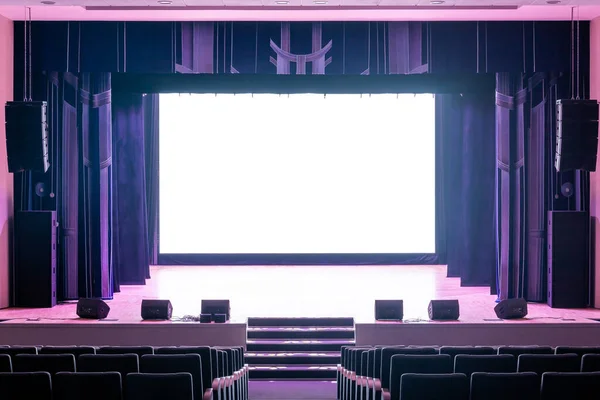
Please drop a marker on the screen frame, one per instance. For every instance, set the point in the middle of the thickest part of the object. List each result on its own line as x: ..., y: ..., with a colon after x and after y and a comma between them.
x: 278, y: 84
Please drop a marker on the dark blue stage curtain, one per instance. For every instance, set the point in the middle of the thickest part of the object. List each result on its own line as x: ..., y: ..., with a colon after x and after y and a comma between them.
x: 495, y: 173
x: 132, y: 241
x: 466, y: 148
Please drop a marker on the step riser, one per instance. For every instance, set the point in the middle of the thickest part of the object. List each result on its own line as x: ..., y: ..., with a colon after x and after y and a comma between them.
x: 289, y: 322
x: 301, y: 335
x: 289, y: 375
x: 291, y: 347
x: 293, y: 360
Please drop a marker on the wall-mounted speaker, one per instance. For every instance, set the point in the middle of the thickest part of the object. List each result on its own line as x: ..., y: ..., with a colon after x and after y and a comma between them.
x: 443, y: 310
x: 214, y: 307
x: 92, y: 309
x: 389, y: 310
x: 27, y: 136
x: 157, y: 309
x: 576, y: 135
x: 511, y: 309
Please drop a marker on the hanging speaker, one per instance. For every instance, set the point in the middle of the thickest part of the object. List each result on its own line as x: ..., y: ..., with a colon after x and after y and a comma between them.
x: 511, y: 309
x: 566, y: 189
x: 92, y: 309
x: 40, y: 189
x: 27, y: 136
x: 576, y: 135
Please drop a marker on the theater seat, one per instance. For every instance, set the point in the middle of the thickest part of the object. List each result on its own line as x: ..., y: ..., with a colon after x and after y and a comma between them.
x: 26, y: 386
x: 5, y: 363
x: 122, y: 363
x: 590, y: 363
x: 174, y: 363
x: 87, y: 385
x: 434, y: 387
x: 52, y: 363
x: 500, y: 363
x: 176, y: 386
x: 573, y: 386
x: 515, y: 386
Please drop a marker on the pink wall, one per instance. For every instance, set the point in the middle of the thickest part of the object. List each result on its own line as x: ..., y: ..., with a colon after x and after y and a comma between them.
x: 6, y: 185
x: 595, y: 177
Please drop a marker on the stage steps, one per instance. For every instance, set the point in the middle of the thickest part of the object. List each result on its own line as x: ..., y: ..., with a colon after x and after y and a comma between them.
x: 296, y: 348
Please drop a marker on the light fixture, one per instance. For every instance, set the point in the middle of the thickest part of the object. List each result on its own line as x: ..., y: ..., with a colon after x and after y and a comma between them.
x: 552, y: 1
x: 320, y: 2
x: 282, y: 2
x: 48, y: 2
x: 437, y: 2
x: 165, y: 2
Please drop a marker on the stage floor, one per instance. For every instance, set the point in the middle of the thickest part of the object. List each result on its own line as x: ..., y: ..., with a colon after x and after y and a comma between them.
x: 302, y: 291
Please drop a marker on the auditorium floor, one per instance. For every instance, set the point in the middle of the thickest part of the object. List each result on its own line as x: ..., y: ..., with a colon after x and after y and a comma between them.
x: 304, y: 291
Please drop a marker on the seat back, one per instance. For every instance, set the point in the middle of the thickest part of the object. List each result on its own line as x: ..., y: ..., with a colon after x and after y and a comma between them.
x: 205, y: 360
x: 518, y: 350
x: 434, y: 387
x: 570, y: 385
x: 13, y: 351
x: 453, y: 351
x: 26, y: 385
x: 513, y: 386
x: 52, y: 363
x: 87, y: 385
x: 540, y: 363
x: 416, y: 364
x: 590, y: 363
x: 139, y: 350
x: 5, y: 363
x: 174, y: 363
x: 75, y: 350
x: 122, y: 363
x: 386, y: 359
x: 500, y: 363
x: 175, y: 386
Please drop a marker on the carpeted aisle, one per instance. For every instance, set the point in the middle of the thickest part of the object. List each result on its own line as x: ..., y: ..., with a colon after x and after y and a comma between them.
x: 292, y: 390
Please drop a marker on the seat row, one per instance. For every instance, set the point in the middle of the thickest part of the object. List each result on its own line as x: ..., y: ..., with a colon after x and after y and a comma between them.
x: 215, y: 372
x: 375, y: 373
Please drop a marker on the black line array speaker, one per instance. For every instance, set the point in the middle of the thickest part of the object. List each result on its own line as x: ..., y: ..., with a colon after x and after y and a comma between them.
x: 35, y: 259
x: 511, y: 309
x: 27, y: 136
x: 576, y: 135
x: 157, y: 309
x: 92, y: 309
x: 443, y: 310
x: 568, y: 259
x: 389, y: 310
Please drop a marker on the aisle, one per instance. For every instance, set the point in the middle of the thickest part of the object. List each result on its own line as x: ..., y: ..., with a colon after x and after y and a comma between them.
x: 291, y: 390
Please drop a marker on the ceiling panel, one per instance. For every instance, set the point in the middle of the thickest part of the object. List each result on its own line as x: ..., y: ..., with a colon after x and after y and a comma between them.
x: 282, y: 3
x: 359, y: 3
x: 204, y: 3
x: 243, y: 3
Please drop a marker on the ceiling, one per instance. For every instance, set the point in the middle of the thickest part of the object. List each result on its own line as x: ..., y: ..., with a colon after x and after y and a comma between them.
x: 299, y: 10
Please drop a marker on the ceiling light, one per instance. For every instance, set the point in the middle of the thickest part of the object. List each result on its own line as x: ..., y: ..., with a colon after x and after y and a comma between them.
x: 437, y: 2
x: 165, y: 2
x: 553, y: 2
x: 320, y: 2
x: 282, y: 2
x: 48, y: 2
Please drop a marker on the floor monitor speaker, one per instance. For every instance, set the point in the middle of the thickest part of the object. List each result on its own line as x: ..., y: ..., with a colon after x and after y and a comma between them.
x: 568, y: 259
x: 389, y: 310
x: 576, y: 135
x: 214, y: 307
x: 157, y: 309
x: 92, y: 309
x: 511, y: 309
x: 27, y: 136
x: 443, y: 310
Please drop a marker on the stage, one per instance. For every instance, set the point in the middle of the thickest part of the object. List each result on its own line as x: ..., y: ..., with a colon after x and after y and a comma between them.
x: 301, y: 291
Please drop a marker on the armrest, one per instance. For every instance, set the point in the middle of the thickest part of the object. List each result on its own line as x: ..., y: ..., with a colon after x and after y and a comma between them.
x: 385, y: 394
x: 377, y: 384
x: 216, y: 384
x: 208, y: 394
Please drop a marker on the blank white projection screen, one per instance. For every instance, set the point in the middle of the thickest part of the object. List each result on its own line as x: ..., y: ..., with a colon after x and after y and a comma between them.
x: 297, y: 174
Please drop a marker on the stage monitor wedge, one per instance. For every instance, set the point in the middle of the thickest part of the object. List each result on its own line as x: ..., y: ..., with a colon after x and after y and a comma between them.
x: 511, y: 309
x: 214, y: 307
x: 389, y: 310
x: 443, y: 310
x: 156, y: 309
x: 92, y: 309
x: 576, y: 135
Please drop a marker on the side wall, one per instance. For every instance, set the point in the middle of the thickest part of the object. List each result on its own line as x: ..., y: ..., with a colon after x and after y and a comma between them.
x: 6, y: 179
x: 595, y: 176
